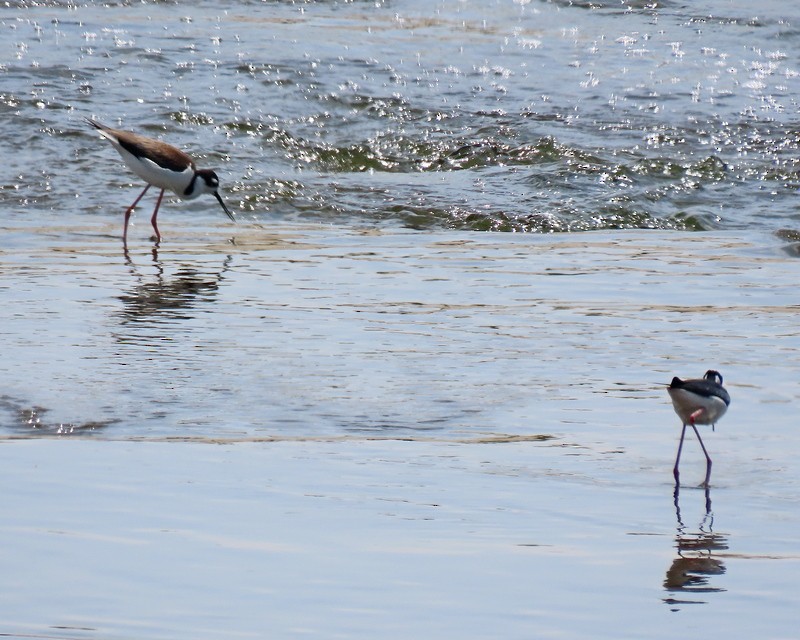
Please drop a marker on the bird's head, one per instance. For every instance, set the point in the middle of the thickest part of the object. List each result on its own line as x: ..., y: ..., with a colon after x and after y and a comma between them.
x: 208, y: 182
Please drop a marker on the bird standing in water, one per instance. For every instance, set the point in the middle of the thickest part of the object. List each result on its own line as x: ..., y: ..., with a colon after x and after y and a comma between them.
x: 699, y: 401
x: 162, y: 165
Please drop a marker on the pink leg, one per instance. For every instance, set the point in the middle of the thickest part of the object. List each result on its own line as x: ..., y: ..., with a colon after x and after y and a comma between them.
x: 678, y: 457
x: 708, y: 460
x: 128, y: 215
x: 155, y: 215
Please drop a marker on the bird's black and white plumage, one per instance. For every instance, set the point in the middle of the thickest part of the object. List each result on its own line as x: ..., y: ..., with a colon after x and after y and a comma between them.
x: 702, y: 401
x: 698, y: 401
x: 162, y: 165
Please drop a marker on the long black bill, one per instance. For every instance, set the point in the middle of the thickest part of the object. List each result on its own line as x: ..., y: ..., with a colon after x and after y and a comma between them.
x: 219, y: 199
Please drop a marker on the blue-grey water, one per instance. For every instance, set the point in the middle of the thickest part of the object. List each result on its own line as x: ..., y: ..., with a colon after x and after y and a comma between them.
x: 528, y: 116
x: 417, y: 389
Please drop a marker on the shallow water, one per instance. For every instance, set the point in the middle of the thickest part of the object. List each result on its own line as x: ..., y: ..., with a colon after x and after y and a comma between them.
x: 351, y: 414
x: 323, y: 331
x: 395, y: 538
x: 329, y: 432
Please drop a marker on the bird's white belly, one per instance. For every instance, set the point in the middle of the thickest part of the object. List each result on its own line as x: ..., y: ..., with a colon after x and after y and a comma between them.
x: 686, y: 403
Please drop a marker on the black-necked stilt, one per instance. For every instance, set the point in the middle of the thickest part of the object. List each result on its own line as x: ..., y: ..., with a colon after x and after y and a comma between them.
x: 702, y: 401
x: 162, y: 165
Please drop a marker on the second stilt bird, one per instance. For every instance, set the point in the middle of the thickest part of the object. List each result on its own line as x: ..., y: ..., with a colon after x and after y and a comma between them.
x: 701, y: 401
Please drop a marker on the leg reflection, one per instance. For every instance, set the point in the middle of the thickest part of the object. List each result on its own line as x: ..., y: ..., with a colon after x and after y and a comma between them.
x: 697, y: 560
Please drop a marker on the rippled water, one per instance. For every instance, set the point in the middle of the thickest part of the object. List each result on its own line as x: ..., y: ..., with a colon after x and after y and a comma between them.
x: 318, y: 331
x: 354, y: 413
x: 534, y: 116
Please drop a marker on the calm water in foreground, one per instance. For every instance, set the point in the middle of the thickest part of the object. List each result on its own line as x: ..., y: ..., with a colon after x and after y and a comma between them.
x: 341, y: 434
x: 355, y: 413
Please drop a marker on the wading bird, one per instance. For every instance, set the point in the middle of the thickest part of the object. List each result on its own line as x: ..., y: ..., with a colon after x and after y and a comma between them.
x: 699, y: 401
x: 161, y: 165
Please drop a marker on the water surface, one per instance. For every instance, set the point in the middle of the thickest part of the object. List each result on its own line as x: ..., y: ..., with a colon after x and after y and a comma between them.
x: 366, y: 410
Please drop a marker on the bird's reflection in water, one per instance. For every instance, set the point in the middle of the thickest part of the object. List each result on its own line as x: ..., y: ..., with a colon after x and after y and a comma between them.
x: 691, y: 573
x: 171, y: 296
